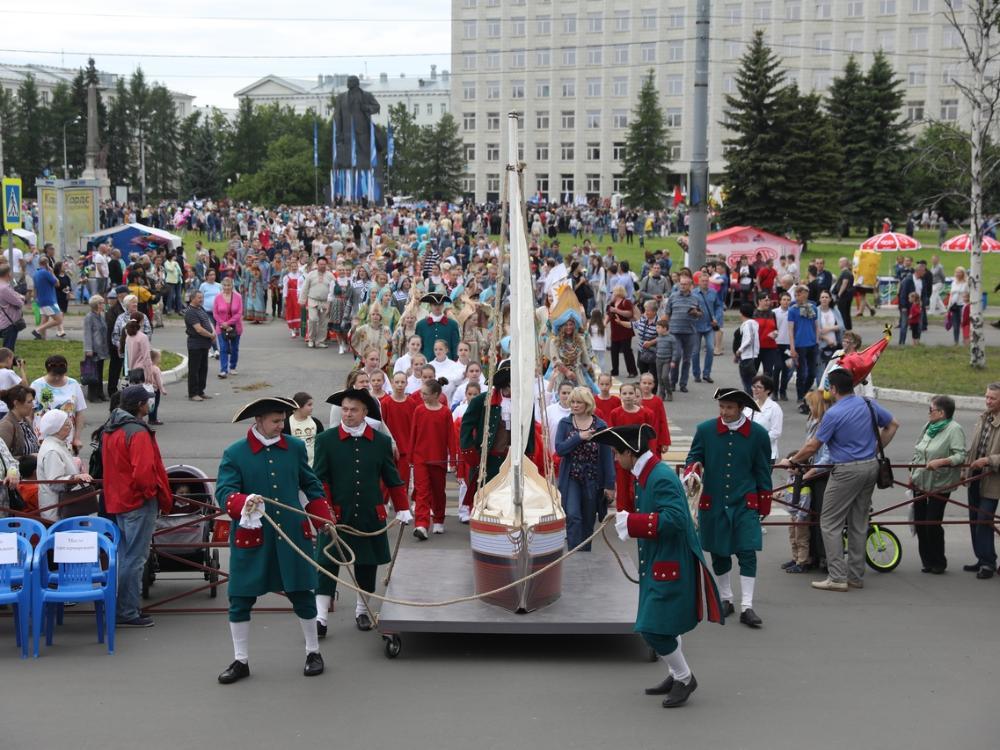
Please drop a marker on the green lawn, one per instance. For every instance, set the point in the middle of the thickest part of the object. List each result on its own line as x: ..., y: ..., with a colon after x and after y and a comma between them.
x: 935, y: 369
x: 34, y: 353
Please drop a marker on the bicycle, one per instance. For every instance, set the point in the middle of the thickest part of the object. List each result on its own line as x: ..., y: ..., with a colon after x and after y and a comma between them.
x: 883, y: 552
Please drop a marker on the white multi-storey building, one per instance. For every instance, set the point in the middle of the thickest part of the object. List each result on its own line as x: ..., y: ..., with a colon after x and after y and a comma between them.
x: 427, y: 98
x: 574, y: 68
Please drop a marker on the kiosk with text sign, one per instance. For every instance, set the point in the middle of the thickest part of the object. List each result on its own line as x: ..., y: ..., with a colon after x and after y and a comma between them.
x: 68, y: 210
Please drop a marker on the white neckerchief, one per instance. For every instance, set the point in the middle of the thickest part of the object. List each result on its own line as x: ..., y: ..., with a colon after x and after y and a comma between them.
x: 641, y: 462
x: 505, y: 410
x: 355, y: 431
x: 737, y: 424
x: 265, y: 441
x: 437, y: 318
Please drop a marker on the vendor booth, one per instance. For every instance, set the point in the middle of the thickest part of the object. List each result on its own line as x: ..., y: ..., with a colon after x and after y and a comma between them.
x: 737, y: 242
x: 131, y: 238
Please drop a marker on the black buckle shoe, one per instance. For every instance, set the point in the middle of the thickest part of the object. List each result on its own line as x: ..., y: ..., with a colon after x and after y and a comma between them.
x: 320, y: 629
x: 749, y: 618
x: 314, y: 664
x: 363, y: 621
x: 728, y: 609
x: 235, y: 671
x: 680, y: 692
x: 663, y: 688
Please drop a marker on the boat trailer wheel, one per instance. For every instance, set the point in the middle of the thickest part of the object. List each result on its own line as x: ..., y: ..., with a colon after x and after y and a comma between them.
x: 393, y: 645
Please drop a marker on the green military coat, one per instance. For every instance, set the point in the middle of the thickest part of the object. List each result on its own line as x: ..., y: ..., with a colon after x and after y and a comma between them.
x: 676, y: 589
x: 260, y: 561
x: 445, y: 329
x: 736, y: 478
x: 471, y: 436
x: 352, y: 469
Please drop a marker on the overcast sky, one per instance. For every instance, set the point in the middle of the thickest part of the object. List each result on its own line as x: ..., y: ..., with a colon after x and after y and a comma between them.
x: 166, y: 39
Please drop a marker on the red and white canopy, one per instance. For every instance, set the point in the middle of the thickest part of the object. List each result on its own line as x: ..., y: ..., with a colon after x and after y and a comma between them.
x: 890, y: 242
x: 962, y: 244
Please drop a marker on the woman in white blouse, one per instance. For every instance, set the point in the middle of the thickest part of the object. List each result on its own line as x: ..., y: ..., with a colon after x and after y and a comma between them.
x: 956, y: 298
x: 770, y: 416
x: 55, y: 461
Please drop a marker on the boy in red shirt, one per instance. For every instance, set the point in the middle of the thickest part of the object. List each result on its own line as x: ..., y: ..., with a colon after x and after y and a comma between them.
x: 913, y: 317
x: 397, y: 413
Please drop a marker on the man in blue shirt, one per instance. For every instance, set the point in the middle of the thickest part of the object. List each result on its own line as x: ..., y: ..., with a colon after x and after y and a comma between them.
x: 705, y: 328
x: 849, y: 435
x: 803, y: 321
x: 45, y: 295
x: 684, y: 312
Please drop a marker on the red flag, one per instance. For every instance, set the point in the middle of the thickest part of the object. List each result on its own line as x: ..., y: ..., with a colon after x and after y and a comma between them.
x: 860, y: 364
x: 678, y: 196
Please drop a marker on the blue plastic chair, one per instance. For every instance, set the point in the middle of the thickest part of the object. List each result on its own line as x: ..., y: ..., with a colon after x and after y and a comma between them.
x: 74, y: 582
x: 104, y: 526
x: 26, y: 528
x: 16, y: 589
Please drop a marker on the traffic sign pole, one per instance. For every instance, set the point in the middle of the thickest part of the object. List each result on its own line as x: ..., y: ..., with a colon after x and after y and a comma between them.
x: 11, y: 214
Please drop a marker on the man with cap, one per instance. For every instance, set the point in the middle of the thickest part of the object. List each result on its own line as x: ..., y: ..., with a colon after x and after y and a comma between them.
x: 731, y: 457
x: 268, y: 464
x: 675, y: 588
x: 115, y: 362
x: 135, y: 489
x: 351, y: 461
x: 498, y: 428
x: 436, y: 326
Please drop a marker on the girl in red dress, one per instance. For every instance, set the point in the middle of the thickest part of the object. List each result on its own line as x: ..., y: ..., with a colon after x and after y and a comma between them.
x: 630, y: 412
x: 397, y: 413
x: 605, y: 402
x: 290, y: 291
x: 432, y: 451
x: 649, y: 399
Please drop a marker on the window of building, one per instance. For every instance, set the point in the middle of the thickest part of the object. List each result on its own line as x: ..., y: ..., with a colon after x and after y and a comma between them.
x: 619, y: 86
x: 792, y: 43
x: 518, y: 3
x: 675, y: 84
x: 468, y: 90
x: 593, y: 185
x: 543, y: 90
x: 920, y: 6
x: 853, y: 41
x: 468, y: 4
x: 793, y: 10
x: 492, y: 183
x: 675, y: 50
x: 647, y: 52
x: 821, y: 80
x: 468, y: 61
x: 618, y: 183
x: 886, y: 40
x: 416, y: 110
x: 492, y: 152
x: 470, y: 151
x: 569, y: 23
x: 469, y: 29
x: 674, y: 150
x: 620, y: 54
x: 493, y: 28
x: 618, y: 151
x: 517, y: 26
x: 567, y: 151
x: 492, y: 3
x: 542, y: 186
x: 823, y: 10
x: 734, y: 15
x: 569, y: 56
x: 469, y: 184
x: 887, y: 7
x: 674, y: 117
x: 619, y: 118
x: 915, y: 111
x: 734, y: 49
x: 543, y: 57
x: 492, y: 120
x: 429, y: 109
x: 949, y: 109
x: 541, y: 152
x: 444, y: 108
x: 543, y: 25
x: 647, y: 18
x: 948, y: 74
x: 729, y: 83
x: 593, y: 152
x: 517, y: 89
x: 623, y: 20
x: 950, y: 38
x: 595, y: 55
x: 593, y: 119
x: 595, y: 23
x: 593, y: 87
x: 916, y: 74
x: 918, y: 37
x: 567, y: 87
x: 822, y: 43
x: 792, y: 79
x: 567, y: 185
x: 492, y: 59
x: 493, y: 89
x: 762, y: 11
x: 568, y: 119
x: 468, y: 121
x: 855, y: 8
x: 542, y: 120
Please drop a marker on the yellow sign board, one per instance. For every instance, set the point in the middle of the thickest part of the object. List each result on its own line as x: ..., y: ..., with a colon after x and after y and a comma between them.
x: 78, y: 217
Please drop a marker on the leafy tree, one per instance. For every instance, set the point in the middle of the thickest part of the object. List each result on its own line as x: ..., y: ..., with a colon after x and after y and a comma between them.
x: 286, y: 176
x: 647, y: 159
x: 161, y: 143
x: 62, y: 113
x: 756, y: 176
x: 406, y: 163
x: 8, y: 126
x: 201, y: 158
x: 119, y: 137
x: 29, y: 151
x: 442, y: 162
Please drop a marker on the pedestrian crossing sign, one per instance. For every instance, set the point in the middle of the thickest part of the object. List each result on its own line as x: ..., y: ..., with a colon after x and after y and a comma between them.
x: 11, y: 203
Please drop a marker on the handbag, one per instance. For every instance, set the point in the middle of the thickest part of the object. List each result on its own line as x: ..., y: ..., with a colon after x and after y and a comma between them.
x: 88, y: 372
x: 79, y: 500
x: 884, y: 479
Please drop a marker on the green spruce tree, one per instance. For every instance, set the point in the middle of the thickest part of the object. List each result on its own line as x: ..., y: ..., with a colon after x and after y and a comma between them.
x: 406, y: 163
x: 119, y: 138
x: 647, y: 158
x: 161, y: 143
x: 29, y: 145
x: 849, y: 120
x: 442, y: 162
x: 887, y: 142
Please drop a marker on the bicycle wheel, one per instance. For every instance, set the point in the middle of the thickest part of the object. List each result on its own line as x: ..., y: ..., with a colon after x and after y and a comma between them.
x: 882, y: 549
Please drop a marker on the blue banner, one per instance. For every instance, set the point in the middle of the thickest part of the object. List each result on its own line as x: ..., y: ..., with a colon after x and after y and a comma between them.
x: 354, y: 149
x: 390, y: 150
x: 333, y: 141
x: 372, y: 142
x: 315, y: 143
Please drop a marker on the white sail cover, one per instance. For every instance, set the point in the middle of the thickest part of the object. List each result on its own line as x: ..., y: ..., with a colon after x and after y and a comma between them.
x: 522, y: 311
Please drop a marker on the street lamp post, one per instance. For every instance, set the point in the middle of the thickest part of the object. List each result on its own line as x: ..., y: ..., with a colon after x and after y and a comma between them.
x: 74, y: 121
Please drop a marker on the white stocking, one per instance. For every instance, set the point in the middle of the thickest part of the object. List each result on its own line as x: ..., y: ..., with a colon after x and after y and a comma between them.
x: 678, y: 664
x: 241, y: 640
x: 323, y: 602
x: 309, y: 631
x: 725, y: 585
x: 746, y: 587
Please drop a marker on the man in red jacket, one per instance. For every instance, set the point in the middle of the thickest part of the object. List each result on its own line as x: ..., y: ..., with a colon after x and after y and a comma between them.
x: 135, y: 488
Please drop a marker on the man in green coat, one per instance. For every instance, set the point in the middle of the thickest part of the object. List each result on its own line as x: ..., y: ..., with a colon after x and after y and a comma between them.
x: 351, y: 461
x: 675, y: 587
x: 267, y: 464
x: 731, y: 457
x: 437, y: 326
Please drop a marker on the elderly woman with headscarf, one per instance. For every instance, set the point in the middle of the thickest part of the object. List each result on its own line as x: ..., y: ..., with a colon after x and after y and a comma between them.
x: 56, y: 462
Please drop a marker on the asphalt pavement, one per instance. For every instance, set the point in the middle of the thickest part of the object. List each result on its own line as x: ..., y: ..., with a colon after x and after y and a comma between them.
x: 907, y: 662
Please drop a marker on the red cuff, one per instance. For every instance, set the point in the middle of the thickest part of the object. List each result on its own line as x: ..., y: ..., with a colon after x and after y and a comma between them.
x: 235, y: 503
x: 398, y: 497
x: 320, y: 507
x: 764, y: 502
x: 643, y: 525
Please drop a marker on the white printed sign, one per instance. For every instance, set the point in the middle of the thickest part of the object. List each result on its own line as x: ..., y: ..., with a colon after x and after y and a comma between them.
x: 75, y: 547
x: 8, y: 549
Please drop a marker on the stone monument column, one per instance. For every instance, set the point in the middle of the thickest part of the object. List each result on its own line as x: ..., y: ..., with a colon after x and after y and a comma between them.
x: 94, y: 169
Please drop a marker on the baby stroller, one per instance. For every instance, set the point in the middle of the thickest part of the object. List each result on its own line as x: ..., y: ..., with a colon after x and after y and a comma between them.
x: 187, y: 524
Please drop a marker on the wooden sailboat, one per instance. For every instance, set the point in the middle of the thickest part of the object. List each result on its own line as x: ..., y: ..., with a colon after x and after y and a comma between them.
x: 517, y: 524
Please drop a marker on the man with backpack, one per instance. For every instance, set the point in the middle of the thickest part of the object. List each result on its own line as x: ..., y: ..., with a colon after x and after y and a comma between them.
x: 135, y: 488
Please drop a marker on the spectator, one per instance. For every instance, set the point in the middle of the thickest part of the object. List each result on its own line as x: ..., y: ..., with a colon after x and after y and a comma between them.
x: 852, y: 481
x: 913, y: 317
x: 56, y: 463
x: 45, y: 296
x: 802, y: 319
x: 844, y: 292
x: 11, y: 304
x: 135, y: 350
x: 16, y: 428
x: 783, y: 371
x: 665, y: 346
x: 705, y: 328
x: 939, y: 452
x: 770, y: 416
x: 227, y: 314
x: 210, y: 289
x: 746, y: 345
x: 767, y: 333
x: 200, y: 335
x: 58, y: 392
x: 645, y: 329
x: 919, y: 282
x: 621, y: 311
x: 135, y: 488
x: 64, y: 288
x: 684, y: 311
x: 95, y: 346
x: 831, y: 329
x: 959, y: 288
x: 984, y: 489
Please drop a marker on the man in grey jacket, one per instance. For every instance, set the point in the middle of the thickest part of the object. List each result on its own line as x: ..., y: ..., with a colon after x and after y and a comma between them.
x: 315, y: 296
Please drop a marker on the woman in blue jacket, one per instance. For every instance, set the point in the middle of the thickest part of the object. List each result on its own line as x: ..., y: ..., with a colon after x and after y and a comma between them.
x: 586, y: 471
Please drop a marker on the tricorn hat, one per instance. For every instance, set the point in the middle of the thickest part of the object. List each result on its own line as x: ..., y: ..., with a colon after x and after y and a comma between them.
x: 501, y: 378
x: 627, y: 437
x: 266, y: 405
x: 737, y: 396
x: 434, y: 298
x: 358, y: 394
